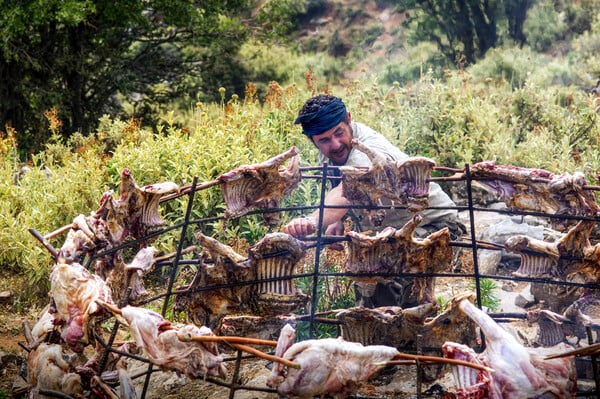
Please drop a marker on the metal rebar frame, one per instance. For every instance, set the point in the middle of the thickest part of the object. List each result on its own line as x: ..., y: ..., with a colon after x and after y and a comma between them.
x: 320, y: 174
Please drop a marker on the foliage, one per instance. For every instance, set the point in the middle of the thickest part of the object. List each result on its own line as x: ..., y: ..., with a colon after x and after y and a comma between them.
x: 85, y: 57
x: 488, y: 298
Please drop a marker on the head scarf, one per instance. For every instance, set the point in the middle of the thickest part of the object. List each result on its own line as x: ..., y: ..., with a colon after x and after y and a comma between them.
x: 326, y: 117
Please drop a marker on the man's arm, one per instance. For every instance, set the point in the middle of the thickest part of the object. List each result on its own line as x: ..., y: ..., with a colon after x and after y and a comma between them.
x: 301, y: 227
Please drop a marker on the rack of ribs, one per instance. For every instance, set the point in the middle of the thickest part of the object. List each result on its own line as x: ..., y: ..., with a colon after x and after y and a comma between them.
x: 404, y: 183
x: 259, y: 284
x: 519, y: 372
x: 537, y: 190
x: 262, y: 185
x: 327, y: 366
x: 391, y: 252
x: 570, y: 259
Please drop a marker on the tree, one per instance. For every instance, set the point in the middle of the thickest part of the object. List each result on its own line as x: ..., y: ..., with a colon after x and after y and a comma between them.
x: 79, y: 56
x: 465, y: 29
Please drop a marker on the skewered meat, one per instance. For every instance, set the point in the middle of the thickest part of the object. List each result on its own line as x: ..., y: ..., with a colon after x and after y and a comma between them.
x: 327, y: 366
x: 401, y: 328
x: 519, y: 371
x: 550, y: 327
x: 261, y: 185
x: 405, y: 183
x: 274, y: 259
x: 570, y: 259
x: 389, y: 325
x: 135, y: 213
x: 51, y: 369
x: 74, y: 291
x: 537, y: 190
x: 126, y: 280
x: 159, y: 340
x: 271, y: 260
x: 394, y: 252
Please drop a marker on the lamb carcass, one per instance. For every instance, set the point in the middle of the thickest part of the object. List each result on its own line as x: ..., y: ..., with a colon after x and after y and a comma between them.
x: 271, y: 261
x: 571, y: 259
x: 275, y: 258
x: 74, y: 292
x: 135, y: 213
x: 262, y: 185
x: 404, y: 183
x: 537, y: 190
x: 519, y: 372
x: 50, y: 368
x: 126, y: 280
x: 391, y: 252
x: 327, y: 366
x: 160, y: 342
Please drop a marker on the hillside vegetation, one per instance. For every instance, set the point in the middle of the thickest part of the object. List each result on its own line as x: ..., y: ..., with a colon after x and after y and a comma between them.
x: 516, y: 106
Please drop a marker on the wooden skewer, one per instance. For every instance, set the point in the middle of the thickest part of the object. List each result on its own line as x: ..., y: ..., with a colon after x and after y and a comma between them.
x: 187, y: 250
x: 589, y: 350
x: 227, y: 339
x: 266, y: 356
x: 434, y: 359
x: 60, y: 231
x: 110, y: 307
x: 183, y: 190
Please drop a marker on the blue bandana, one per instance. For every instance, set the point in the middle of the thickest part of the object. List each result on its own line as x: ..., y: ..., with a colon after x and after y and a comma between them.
x: 324, y: 119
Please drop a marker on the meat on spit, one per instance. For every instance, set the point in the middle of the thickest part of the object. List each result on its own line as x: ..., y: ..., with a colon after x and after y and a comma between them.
x: 327, y: 366
x: 537, y: 190
x: 135, y: 213
x: 262, y: 185
x: 519, y: 372
x: 259, y: 284
x: 394, y: 251
x: 404, y: 183
x: 74, y: 292
x: 51, y: 368
x: 570, y: 259
x: 159, y: 340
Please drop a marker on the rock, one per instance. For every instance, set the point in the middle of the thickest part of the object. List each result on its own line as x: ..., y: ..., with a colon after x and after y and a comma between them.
x: 488, y: 260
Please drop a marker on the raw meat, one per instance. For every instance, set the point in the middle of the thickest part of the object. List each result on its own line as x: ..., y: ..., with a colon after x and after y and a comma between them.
x: 327, y: 366
x: 159, y: 340
x: 74, y: 292
x: 50, y: 368
x: 519, y: 372
x: 404, y: 183
x: 392, y: 252
x: 537, y: 190
x: 271, y: 262
x: 261, y: 185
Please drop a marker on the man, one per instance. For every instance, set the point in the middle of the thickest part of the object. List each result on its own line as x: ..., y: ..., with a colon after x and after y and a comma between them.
x: 327, y: 123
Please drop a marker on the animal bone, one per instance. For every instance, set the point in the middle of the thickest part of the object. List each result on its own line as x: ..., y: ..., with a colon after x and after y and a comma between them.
x: 262, y: 185
x: 405, y: 183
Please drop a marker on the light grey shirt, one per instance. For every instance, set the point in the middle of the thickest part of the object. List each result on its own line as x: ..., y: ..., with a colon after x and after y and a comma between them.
x: 395, y: 217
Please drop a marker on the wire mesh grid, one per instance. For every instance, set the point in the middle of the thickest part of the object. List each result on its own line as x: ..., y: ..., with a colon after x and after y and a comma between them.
x: 312, y: 317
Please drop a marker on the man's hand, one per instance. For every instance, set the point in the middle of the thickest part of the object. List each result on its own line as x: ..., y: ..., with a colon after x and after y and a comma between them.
x: 300, y: 227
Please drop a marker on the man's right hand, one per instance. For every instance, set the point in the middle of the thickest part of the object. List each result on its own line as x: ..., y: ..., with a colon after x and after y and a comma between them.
x: 300, y: 227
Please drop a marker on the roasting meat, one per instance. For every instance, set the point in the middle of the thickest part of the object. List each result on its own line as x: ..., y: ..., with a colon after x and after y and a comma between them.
x: 404, y: 183
x: 135, y: 213
x: 327, y: 366
x: 261, y: 185
x: 50, y: 368
x: 394, y: 252
x: 74, y: 292
x: 126, y: 280
x: 160, y: 342
x: 274, y: 258
x: 537, y: 190
x: 571, y: 259
x: 271, y: 261
x: 551, y: 330
x: 519, y: 371
x: 409, y: 329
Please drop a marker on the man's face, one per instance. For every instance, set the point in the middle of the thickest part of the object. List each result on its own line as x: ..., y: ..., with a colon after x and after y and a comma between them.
x: 336, y: 142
